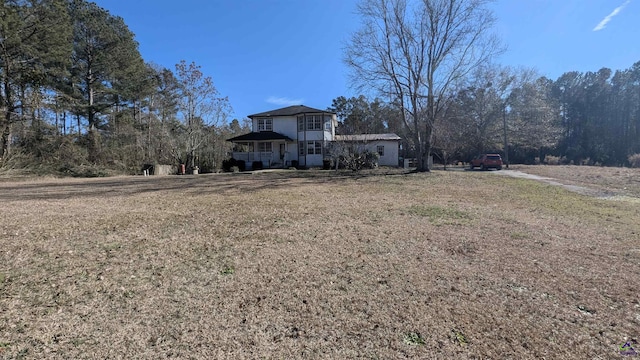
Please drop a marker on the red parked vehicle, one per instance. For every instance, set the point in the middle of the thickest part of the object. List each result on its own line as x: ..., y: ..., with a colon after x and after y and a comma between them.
x: 486, y: 161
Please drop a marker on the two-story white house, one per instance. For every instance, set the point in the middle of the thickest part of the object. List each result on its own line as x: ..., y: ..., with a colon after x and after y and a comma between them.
x: 301, y: 136
x: 292, y: 136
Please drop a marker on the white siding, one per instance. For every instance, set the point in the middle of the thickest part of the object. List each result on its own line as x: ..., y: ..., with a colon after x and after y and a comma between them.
x: 288, y: 126
x: 390, y: 157
x: 328, y: 136
x: 285, y: 125
x: 314, y: 160
x: 311, y: 135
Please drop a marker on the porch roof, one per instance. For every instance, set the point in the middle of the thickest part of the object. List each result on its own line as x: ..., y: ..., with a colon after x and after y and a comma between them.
x: 260, y: 136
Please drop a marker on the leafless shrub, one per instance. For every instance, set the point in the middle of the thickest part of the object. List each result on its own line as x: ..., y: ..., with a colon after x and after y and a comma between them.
x: 552, y: 160
x: 634, y: 160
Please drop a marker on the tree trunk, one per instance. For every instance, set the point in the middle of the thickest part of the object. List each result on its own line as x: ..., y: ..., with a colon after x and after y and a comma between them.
x: 6, y: 121
x: 6, y: 138
x: 427, y: 148
x: 93, y: 137
x: 93, y: 141
x: 78, y: 123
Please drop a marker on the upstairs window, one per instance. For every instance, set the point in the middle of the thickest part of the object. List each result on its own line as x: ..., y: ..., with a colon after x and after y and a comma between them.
x: 300, y: 123
x: 314, y: 122
x: 327, y: 123
x: 265, y: 124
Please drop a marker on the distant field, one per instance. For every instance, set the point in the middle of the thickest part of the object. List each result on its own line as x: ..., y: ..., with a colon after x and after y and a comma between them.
x: 313, y: 264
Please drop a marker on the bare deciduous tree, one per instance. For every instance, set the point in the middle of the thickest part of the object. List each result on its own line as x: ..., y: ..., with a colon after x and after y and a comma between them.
x: 414, y: 51
x: 201, y: 107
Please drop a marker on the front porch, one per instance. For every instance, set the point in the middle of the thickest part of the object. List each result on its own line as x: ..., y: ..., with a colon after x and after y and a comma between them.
x: 272, y: 149
x: 270, y: 160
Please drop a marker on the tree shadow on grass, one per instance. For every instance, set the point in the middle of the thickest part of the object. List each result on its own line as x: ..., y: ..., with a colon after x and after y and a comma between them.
x: 191, y: 185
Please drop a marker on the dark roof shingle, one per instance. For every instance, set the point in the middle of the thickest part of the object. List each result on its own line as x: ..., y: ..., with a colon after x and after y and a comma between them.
x: 261, y: 136
x: 290, y: 111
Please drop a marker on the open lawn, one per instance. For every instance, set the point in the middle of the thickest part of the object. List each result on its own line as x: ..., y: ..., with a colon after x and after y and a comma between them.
x: 314, y: 264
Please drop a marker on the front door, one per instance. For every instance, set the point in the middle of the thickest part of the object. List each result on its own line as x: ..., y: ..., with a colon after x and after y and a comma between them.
x: 282, y: 151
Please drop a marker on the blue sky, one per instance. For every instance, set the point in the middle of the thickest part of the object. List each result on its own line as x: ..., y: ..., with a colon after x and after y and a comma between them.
x: 266, y: 54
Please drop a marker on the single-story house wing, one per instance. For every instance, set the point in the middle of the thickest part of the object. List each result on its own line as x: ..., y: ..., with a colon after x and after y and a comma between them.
x: 386, y: 145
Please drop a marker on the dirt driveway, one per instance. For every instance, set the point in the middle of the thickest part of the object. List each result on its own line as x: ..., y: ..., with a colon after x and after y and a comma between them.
x: 606, y: 183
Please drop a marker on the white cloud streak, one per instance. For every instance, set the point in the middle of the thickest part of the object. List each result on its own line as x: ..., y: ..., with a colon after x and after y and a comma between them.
x: 283, y: 101
x: 608, y: 18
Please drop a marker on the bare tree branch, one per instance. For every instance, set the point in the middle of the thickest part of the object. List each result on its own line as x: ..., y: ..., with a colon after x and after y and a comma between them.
x: 416, y: 51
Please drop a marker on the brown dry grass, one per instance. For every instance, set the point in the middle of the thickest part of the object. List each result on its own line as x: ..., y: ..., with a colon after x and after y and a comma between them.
x: 608, y: 180
x: 315, y: 265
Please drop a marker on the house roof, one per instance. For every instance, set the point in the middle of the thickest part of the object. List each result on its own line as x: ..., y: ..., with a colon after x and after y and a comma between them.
x: 368, y: 137
x: 290, y: 111
x: 260, y: 136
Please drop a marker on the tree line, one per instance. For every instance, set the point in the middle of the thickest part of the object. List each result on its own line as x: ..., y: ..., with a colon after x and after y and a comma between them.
x: 76, y: 96
x: 430, y: 62
x: 590, y: 118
